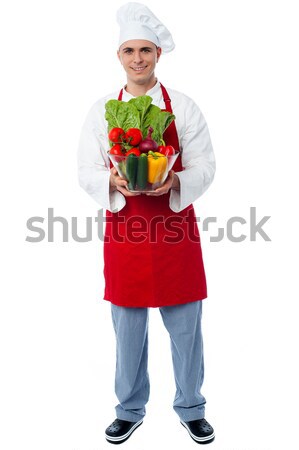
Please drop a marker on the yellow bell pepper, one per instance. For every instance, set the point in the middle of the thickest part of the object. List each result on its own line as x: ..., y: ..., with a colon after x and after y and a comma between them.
x: 157, y: 165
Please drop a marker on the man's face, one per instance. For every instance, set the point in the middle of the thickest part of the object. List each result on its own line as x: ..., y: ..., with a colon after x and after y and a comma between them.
x: 139, y: 59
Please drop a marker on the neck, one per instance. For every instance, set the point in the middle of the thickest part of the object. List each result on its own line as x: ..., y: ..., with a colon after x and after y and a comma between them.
x: 140, y: 89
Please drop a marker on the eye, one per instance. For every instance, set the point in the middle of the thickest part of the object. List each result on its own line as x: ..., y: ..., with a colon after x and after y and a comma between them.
x: 128, y: 51
x: 146, y: 50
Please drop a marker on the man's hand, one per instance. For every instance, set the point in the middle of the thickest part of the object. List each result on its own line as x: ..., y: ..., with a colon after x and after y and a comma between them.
x: 171, y: 182
x: 118, y: 183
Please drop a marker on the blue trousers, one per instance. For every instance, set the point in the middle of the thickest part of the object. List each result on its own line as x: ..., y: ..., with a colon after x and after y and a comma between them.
x: 132, y: 387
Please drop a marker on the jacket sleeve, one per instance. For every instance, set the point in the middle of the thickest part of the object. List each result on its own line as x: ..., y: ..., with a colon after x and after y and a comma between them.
x: 198, y: 159
x: 93, y: 162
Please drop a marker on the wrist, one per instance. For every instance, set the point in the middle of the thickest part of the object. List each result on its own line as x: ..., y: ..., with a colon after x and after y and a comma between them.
x: 175, y: 183
x: 112, y: 186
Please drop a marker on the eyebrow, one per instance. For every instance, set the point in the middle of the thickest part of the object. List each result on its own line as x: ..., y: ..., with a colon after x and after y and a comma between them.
x: 142, y: 48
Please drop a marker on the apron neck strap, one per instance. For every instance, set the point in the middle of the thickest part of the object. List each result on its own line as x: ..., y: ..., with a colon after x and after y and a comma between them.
x: 166, y: 99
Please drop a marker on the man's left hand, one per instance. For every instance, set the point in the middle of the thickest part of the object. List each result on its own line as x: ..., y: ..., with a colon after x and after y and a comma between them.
x: 171, y: 182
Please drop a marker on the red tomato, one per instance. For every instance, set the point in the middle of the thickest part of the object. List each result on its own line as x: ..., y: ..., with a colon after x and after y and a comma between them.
x: 134, y: 150
x: 116, y: 150
x: 133, y: 136
x: 166, y: 150
x: 116, y: 135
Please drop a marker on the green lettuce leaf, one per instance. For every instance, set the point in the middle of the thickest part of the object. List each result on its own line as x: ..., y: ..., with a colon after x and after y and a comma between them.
x: 159, y: 121
x: 121, y: 114
x: 149, y: 119
x: 142, y: 104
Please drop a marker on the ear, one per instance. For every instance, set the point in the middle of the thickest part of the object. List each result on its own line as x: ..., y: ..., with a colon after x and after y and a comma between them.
x: 159, y: 52
x: 119, y: 56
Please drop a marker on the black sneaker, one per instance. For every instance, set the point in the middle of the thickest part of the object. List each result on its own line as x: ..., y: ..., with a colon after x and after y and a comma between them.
x: 120, y: 430
x: 200, y: 431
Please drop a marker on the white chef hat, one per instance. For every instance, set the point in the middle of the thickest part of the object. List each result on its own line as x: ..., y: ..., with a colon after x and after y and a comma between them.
x: 136, y: 21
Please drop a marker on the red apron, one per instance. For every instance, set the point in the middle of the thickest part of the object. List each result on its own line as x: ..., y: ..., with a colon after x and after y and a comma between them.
x: 152, y: 255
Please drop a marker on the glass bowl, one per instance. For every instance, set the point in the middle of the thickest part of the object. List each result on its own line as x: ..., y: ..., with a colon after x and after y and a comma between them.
x: 150, y: 177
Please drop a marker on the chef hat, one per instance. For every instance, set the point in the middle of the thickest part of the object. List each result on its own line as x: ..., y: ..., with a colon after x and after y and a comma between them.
x: 136, y: 21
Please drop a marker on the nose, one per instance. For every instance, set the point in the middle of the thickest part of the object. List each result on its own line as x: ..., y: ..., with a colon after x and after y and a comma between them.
x: 137, y: 57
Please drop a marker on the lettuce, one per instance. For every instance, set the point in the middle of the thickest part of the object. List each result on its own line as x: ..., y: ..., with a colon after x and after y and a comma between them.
x: 139, y: 112
x: 143, y: 105
x: 121, y: 114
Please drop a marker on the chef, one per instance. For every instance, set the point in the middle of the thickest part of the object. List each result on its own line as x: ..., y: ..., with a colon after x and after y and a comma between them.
x: 156, y: 272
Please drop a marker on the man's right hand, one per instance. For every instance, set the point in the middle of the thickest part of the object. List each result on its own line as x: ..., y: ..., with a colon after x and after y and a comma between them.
x: 118, y: 183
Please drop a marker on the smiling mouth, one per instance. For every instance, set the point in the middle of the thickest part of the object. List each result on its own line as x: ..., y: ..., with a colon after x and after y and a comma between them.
x: 139, y: 69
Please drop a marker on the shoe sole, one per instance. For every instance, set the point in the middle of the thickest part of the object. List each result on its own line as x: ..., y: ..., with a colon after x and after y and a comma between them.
x: 124, y: 437
x: 199, y: 440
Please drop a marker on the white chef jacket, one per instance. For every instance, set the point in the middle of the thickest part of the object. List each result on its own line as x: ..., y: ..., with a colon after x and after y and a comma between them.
x: 195, y: 146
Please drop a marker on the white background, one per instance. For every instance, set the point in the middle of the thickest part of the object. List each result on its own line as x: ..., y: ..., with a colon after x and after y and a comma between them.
x: 239, y: 61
